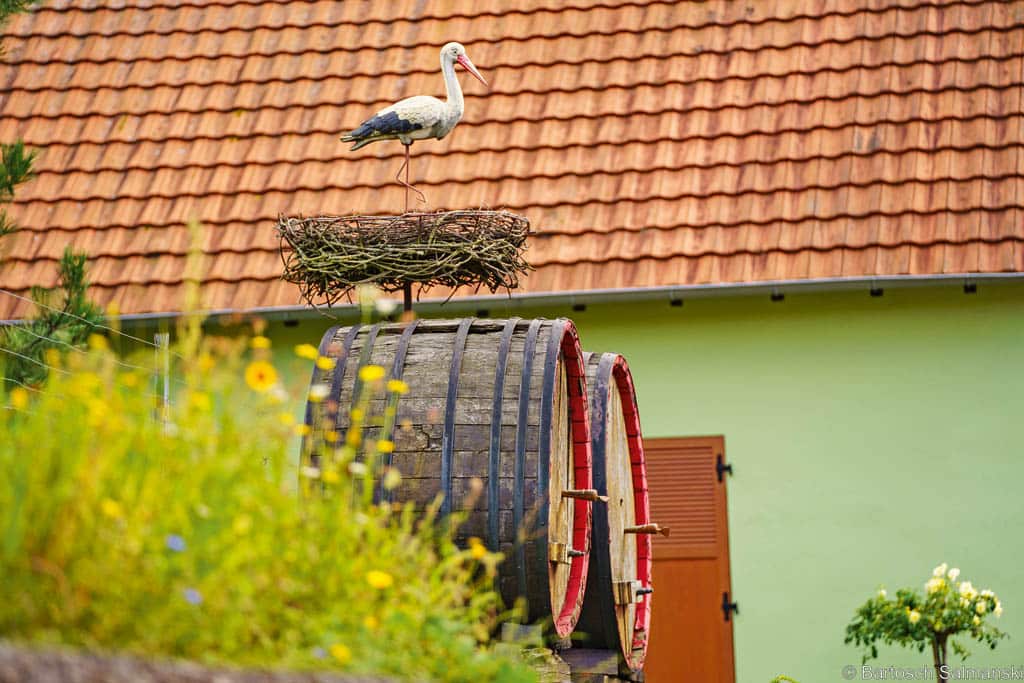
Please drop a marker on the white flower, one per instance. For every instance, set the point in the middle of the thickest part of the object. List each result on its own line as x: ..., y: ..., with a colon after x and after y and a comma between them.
x: 940, y: 570
x: 311, y: 472
x: 356, y: 468
x: 964, y: 602
x: 980, y: 608
x: 998, y: 611
x: 914, y: 616
x: 319, y: 392
x: 987, y: 593
x: 976, y: 621
x: 935, y: 584
x: 385, y: 307
x: 967, y: 590
x: 882, y: 594
x: 953, y: 573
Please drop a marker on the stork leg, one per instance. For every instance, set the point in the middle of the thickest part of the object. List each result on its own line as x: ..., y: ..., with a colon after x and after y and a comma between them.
x: 398, y: 178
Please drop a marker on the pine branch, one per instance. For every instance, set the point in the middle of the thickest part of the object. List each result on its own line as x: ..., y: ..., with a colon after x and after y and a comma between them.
x: 52, y: 329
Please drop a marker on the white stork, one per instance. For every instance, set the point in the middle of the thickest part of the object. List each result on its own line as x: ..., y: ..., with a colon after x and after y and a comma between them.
x: 419, y: 117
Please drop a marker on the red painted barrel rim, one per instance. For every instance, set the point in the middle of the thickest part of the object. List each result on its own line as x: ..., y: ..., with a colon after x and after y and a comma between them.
x: 568, y: 613
x: 641, y: 503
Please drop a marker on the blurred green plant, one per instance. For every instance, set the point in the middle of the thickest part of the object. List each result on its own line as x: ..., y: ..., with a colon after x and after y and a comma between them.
x: 64, y: 318
x: 188, y: 537
x: 948, y: 608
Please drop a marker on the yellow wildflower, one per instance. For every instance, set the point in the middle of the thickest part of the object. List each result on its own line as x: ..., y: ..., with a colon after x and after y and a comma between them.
x: 129, y: 379
x: 200, y: 401
x: 385, y: 446
x: 330, y: 475
x: 260, y: 376
x: 354, y: 437
x: 242, y: 525
x: 379, y: 580
x: 98, y: 342
x: 341, y: 653
x: 52, y: 357
x: 477, y: 550
x: 287, y: 419
x: 259, y: 342
x: 371, y: 622
x: 206, y: 362
x: 111, y: 508
x: 302, y: 430
x: 325, y: 363
x: 19, y: 398
x: 356, y: 415
x: 331, y: 436
x: 397, y: 386
x: 307, y: 351
x: 976, y: 621
x: 371, y: 373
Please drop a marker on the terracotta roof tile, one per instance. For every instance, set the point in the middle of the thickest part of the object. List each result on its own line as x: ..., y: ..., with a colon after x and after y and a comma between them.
x: 650, y: 143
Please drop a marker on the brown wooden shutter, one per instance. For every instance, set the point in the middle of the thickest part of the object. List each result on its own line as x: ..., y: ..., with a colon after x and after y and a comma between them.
x: 690, y: 637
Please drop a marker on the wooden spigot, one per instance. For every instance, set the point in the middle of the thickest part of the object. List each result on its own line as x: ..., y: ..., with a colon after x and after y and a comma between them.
x: 647, y: 529
x: 584, y: 494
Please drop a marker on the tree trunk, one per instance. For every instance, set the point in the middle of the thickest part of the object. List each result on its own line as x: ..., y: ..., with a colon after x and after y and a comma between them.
x: 939, y: 656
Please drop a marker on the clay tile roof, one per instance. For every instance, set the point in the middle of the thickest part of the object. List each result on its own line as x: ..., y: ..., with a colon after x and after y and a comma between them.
x: 650, y: 143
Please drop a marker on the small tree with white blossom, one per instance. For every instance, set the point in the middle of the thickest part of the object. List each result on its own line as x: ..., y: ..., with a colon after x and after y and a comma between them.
x: 948, y: 609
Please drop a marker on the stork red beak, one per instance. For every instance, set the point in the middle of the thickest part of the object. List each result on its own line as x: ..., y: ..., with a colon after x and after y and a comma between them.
x: 464, y: 61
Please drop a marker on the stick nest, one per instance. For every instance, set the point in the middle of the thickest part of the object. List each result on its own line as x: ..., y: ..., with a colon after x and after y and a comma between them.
x: 329, y: 256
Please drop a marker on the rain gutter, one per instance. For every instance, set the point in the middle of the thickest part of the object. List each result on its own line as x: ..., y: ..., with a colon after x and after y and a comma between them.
x: 477, y: 302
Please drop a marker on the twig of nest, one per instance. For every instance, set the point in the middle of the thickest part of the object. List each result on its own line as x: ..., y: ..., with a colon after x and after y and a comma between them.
x: 329, y: 256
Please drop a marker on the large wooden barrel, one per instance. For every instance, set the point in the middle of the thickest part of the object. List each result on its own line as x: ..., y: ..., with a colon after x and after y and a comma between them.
x: 617, y: 609
x: 497, y: 402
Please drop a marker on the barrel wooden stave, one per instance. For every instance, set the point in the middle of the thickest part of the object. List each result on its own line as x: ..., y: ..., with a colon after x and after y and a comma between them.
x: 428, y: 361
x: 619, y: 473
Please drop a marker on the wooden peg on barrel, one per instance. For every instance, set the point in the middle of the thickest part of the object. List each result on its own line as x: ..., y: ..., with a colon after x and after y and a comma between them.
x: 647, y: 529
x: 562, y: 553
x: 585, y: 494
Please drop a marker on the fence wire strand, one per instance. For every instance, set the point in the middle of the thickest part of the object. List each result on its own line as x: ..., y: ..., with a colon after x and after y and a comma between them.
x: 85, y: 320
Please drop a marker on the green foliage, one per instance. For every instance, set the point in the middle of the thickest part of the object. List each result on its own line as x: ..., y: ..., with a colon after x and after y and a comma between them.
x: 948, y: 608
x: 9, y: 7
x: 16, y: 169
x: 64, y: 319
x: 196, y: 536
x: 16, y: 165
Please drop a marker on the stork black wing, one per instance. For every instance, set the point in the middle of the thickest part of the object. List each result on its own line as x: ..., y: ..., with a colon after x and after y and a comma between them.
x: 386, y: 124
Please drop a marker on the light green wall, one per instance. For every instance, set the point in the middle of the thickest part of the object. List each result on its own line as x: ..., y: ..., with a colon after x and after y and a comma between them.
x: 871, y: 438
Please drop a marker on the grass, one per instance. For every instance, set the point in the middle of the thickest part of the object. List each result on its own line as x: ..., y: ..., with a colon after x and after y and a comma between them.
x: 185, y: 534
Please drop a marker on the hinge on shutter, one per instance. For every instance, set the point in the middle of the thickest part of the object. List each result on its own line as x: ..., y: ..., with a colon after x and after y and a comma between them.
x: 728, y: 607
x: 721, y: 468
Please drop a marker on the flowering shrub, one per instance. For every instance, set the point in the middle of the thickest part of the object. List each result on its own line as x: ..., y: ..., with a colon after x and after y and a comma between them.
x: 183, y: 532
x: 948, y: 608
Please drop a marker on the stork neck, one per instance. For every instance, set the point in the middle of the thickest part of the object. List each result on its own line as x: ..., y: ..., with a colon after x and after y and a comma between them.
x: 453, y: 90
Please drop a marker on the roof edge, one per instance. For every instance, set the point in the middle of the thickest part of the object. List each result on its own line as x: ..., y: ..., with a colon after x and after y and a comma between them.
x: 629, y: 294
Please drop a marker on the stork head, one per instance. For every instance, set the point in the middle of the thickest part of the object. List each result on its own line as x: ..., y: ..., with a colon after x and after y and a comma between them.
x: 455, y: 53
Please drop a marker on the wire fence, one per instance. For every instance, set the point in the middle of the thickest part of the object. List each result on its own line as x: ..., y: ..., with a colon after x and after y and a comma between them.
x: 160, y: 371
x: 92, y: 324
